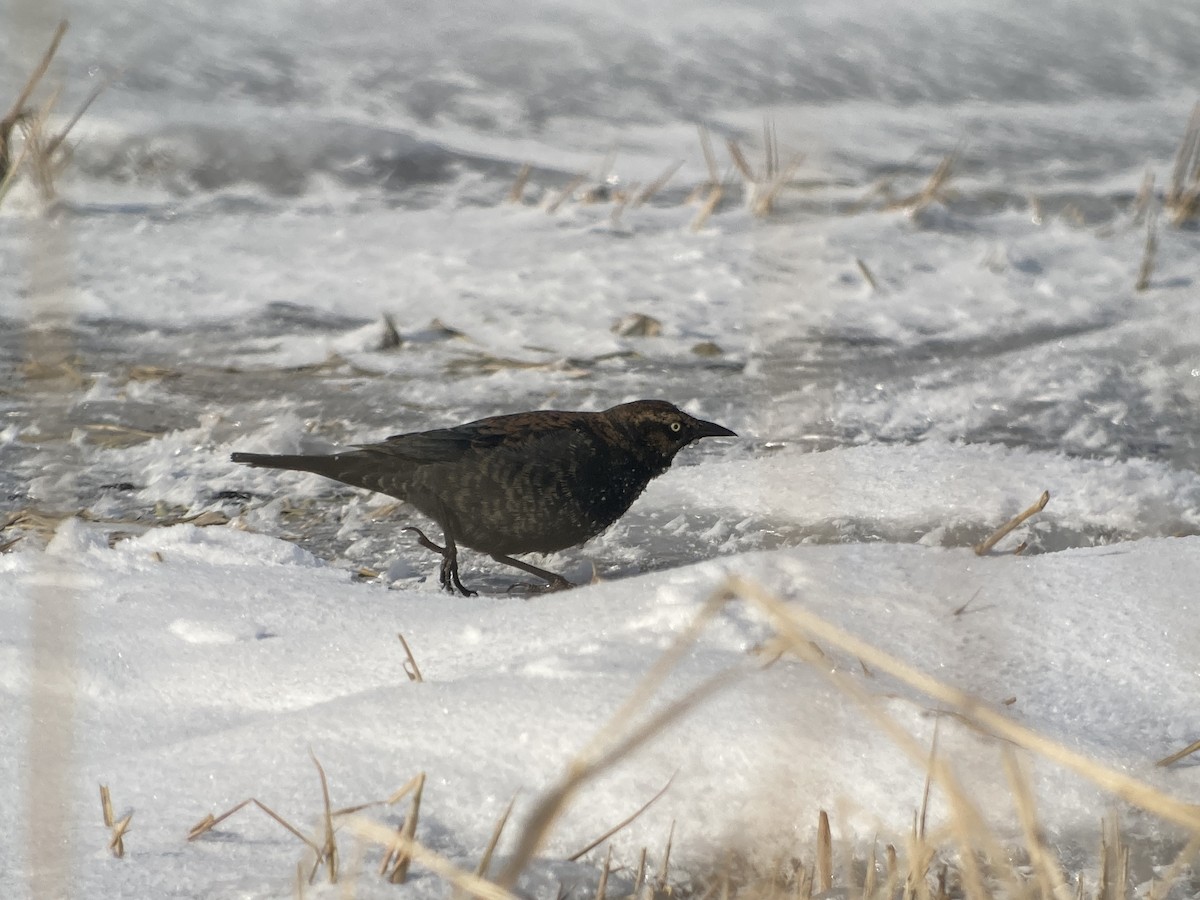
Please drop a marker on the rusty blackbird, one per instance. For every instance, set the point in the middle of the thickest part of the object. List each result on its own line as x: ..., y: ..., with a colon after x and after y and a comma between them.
x: 531, y: 482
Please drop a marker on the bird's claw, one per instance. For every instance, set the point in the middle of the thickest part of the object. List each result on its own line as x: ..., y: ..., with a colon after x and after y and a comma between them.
x: 448, y: 575
x: 450, y: 581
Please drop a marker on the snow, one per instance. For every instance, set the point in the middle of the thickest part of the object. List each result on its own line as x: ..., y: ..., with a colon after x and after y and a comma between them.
x: 209, y: 661
x: 266, y: 181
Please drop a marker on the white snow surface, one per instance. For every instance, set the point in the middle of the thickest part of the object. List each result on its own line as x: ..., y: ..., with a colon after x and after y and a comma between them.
x: 265, y: 180
x: 208, y: 662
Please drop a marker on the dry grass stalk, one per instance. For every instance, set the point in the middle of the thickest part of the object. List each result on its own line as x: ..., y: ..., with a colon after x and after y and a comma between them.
x: 1191, y: 748
x: 19, y: 113
x: 984, y: 546
x: 739, y: 160
x: 55, y: 142
x: 622, y: 824
x: 565, y: 194
x: 116, y: 843
x: 661, y: 883
x: 883, y: 189
x: 485, y: 862
x: 771, y: 147
x: 53, y: 370
x: 766, y: 184
x: 486, y: 363
x: 602, y: 886
x: 1183, y: 197
x: 1114, y: 862
x: 329, y: 850
x: 1050, y: 878
x: 620, y: 201
x: 866, y: 274
x: 390, y: 339
x: 710, y: 158
x: 1145, y: 195
x: 9, y: 169
x: 399, y: 858
x: 648, y: 192
x: 210, y: 822
x: 40, y: 148
x: 618, y: 739
x: 384, y: 511
x: 584, y: 769
x: 326, y: 851
x: 871, y: 877
x: 1036, y: 214
x: 1162, y: 885
x: 716, y: 192
x: 922, y: 821
x: 518, y: 189
x: 799, y: 626
x: 893, y: 871
x: 140, y: 434
x: 935, y: 187
x: 409, y: 786
x: 411, y: 669
x: 464, y: 881
x: 1146, y: 269
x: 42, y: 523
x: 824, y: 871
x: 640, y: 880
x: 962, y: 609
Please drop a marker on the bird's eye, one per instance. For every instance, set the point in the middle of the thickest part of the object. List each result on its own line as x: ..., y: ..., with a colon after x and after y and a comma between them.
x: 675, y: 426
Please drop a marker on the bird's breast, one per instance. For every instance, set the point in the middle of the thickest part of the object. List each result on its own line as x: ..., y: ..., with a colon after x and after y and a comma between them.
x: 524, y: 503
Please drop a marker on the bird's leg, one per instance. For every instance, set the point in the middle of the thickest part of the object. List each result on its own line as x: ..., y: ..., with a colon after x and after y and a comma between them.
x: 555, y: 582
x: 448, y: 575
x: 450, y: 569
x: 426, y: 542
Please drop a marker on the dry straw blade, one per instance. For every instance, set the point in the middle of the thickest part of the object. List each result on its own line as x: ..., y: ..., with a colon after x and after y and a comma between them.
x: 622, y: 824
x: 118, y: 827
x: 411, y: 669
x: 799, y: 626
x: 398, y: 858
x: 18, y: 112
x: 485, y: 861
x: 1183, y: 197
x: 466, y: 882
x: 1191, y: 748
x: 1016, y: 521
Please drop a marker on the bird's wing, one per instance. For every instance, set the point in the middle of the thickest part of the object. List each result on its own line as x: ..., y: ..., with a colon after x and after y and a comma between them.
x: 517, y: 433
x: 439, y: 445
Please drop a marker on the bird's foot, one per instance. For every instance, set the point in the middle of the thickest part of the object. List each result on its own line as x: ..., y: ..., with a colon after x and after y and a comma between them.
x: 448, y: 575
x: 554, y: 582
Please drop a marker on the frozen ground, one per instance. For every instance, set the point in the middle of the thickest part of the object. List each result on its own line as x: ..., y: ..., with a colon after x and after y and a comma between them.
x: 264, y: 182
x: 211, y: 660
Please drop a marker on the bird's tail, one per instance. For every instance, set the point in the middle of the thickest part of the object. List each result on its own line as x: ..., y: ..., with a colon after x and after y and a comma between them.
x: 359, y: 468
x: 321, y: 465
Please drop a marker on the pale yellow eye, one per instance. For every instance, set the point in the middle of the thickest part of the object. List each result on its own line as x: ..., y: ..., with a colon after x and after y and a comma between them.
x: 675, y: 426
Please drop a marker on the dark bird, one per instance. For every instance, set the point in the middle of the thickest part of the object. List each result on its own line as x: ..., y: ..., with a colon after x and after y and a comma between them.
x: 531, y: 482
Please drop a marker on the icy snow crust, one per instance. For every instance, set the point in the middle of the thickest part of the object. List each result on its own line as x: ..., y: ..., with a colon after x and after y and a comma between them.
x: 211, y: 660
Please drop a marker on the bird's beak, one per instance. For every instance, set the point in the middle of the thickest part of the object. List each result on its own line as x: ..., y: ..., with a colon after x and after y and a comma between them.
x: 712, y: 429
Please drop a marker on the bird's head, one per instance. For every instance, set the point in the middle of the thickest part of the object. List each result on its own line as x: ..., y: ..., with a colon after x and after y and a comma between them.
x: 660, y: 429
